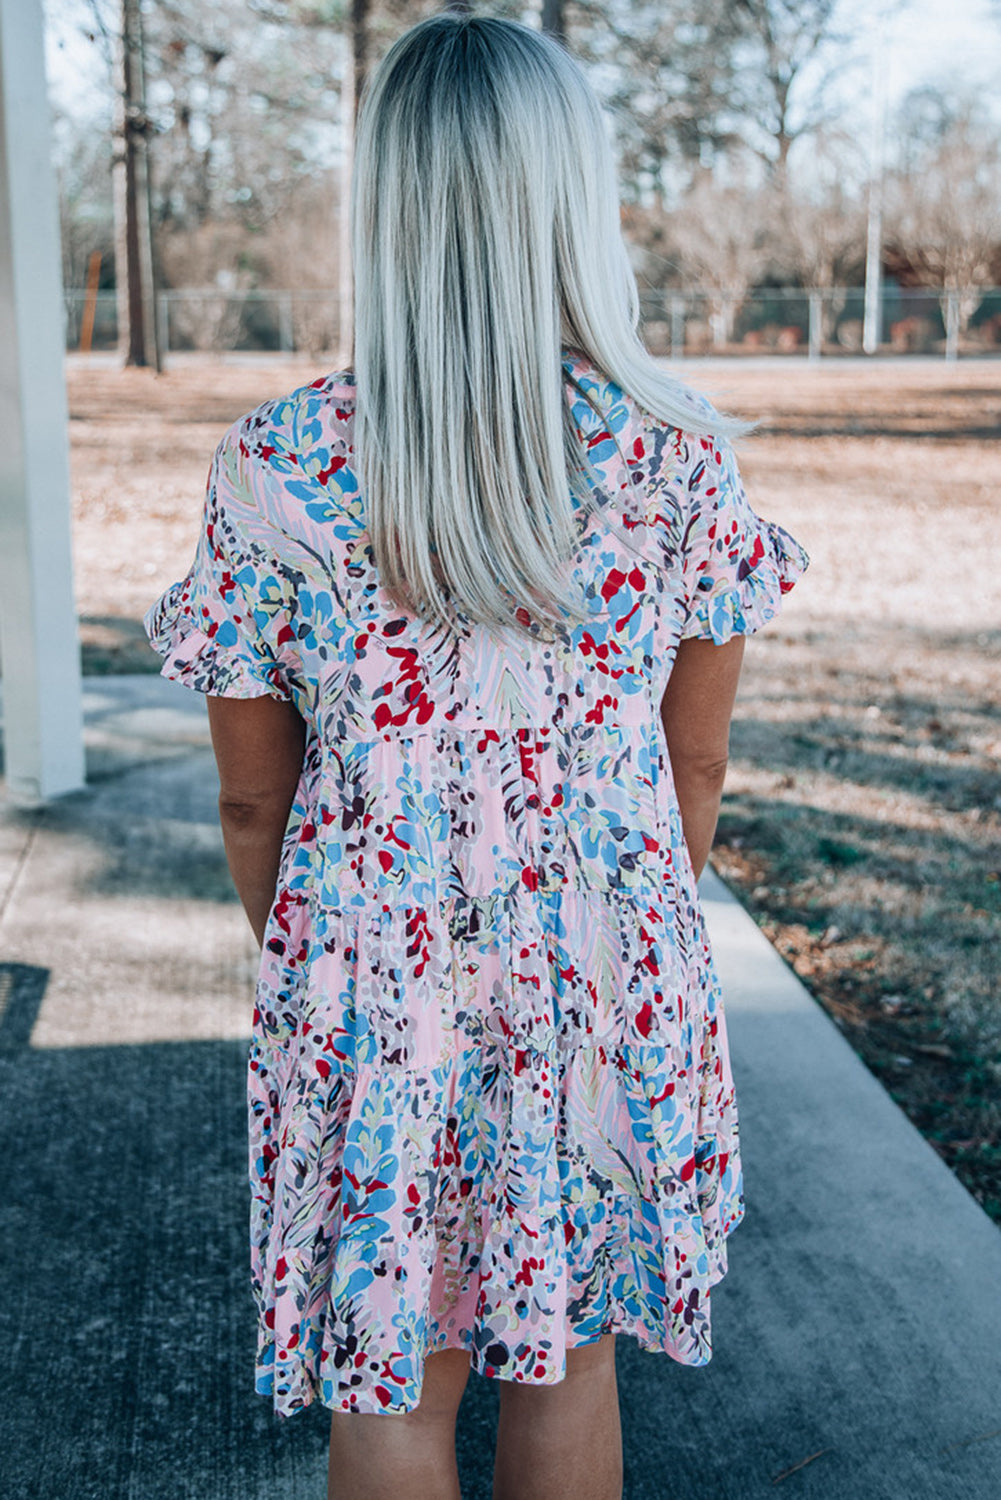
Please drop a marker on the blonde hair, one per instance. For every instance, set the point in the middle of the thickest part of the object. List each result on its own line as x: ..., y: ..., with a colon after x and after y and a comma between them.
x: 486, y: 237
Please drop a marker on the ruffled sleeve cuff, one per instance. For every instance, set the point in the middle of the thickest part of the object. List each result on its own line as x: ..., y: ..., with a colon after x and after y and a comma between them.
x: 214, y: 660
x: 742, y: 605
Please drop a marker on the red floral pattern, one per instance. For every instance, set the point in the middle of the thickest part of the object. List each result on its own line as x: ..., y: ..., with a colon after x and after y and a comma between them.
x: 491, y: 1104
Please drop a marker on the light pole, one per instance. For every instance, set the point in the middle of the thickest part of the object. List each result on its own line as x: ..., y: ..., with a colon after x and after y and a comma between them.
x: 872, y: 321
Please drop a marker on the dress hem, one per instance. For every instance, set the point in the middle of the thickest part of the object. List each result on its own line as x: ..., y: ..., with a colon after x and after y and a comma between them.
x: 621, y: 1326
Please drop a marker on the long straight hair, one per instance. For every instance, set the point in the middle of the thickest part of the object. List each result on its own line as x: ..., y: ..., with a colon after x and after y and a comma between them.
x: 485, y: 231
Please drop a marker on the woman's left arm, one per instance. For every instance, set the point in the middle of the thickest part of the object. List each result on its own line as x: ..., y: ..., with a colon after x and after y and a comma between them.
x: 259, y: 745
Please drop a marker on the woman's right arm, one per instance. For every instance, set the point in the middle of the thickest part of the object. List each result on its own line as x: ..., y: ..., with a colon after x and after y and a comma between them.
x: 696, y: 709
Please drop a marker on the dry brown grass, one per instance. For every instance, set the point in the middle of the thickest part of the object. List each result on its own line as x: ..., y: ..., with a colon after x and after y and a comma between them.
x: 862, y: 820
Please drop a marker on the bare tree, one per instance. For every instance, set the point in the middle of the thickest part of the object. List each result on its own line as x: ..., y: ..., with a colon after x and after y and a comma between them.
x: 246, y: 107
x: 818, y: 223
x: 781, y: 41
x: 720, y: 236
x: 945, y: 203
x: 666, y: 71
x: 82, y: 161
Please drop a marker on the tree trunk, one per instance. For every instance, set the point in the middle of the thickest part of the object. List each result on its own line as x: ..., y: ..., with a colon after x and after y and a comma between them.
x: 359, y: 47
x: 352, y: 86
x: 723, y: 317
x: 137, y: 333
x: 345, y: 275
x: 554, y: 20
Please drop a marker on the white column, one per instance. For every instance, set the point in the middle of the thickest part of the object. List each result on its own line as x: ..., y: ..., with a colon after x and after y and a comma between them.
x: 42, y: 720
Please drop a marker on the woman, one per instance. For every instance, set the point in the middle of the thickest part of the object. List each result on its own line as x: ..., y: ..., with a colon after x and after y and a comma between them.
x: 470, y: 618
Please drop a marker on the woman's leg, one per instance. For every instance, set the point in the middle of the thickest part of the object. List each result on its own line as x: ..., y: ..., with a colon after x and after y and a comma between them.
x: 381, y: 1457
x: 562, y: 1442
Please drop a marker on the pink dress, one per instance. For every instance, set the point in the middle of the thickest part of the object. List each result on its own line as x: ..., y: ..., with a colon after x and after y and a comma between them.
x: 491, y: 1103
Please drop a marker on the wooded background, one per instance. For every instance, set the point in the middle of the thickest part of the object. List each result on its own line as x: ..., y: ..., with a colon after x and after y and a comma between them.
x: 746, y: 164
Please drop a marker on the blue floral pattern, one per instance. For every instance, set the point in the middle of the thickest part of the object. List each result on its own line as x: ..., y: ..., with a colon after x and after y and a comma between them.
x: 491, y: 1103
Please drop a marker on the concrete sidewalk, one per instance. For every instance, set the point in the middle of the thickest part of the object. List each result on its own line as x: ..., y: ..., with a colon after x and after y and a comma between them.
x: 857, y: 1334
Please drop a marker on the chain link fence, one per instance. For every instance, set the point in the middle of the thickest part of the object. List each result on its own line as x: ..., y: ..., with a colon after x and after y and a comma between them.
x: 675, y: 323
x: 790, y: 320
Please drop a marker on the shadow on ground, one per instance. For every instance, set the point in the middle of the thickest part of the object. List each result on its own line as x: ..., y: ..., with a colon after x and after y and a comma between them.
x: 129, y: 1323
x: 113, y: 644
x: 856, y: 1333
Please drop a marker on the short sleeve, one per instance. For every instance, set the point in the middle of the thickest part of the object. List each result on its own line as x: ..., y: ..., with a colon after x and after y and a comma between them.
x: 209, y: 628
x: 736, y: 566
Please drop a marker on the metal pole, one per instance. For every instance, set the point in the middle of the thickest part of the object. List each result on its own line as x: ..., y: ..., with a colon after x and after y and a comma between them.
x: 90, y: 302
x: 816, y: 326
x: 286, y: 340
x: 677, y: 328
x: 162, y: 327
x: 872, y: 320
x: 951, y: 325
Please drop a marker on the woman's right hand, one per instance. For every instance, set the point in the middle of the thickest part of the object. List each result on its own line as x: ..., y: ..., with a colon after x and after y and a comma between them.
x: 696, y: 711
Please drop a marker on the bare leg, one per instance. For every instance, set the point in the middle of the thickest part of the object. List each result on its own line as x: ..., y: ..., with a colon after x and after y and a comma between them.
x: 378, y: 1456
x: 562, y: 1442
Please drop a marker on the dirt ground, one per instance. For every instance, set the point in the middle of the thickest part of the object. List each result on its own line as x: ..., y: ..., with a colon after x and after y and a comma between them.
x: 862, y: 818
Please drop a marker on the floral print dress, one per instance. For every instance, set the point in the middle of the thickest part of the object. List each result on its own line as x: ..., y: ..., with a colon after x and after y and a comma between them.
x: 490, y: 1099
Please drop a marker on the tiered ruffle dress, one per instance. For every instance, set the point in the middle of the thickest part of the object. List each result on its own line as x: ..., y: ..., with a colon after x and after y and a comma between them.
x: 491, y: 1103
